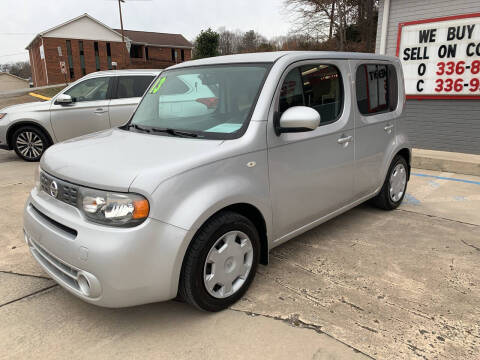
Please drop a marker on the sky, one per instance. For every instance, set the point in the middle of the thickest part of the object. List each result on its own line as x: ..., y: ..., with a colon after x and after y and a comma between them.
x: 21, y: 20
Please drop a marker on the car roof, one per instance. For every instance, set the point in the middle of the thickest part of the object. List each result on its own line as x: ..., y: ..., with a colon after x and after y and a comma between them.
x: 270, y: 57
x: 134, y: 72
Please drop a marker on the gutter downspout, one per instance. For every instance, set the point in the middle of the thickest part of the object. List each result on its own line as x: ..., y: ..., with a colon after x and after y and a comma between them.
x: 44, y: 61
x: 383, y: 34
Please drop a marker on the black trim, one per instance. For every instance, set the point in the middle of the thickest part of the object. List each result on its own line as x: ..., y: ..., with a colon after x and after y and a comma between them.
x: 65, y: 228
x: 4, y: 147
x: 212, y: 135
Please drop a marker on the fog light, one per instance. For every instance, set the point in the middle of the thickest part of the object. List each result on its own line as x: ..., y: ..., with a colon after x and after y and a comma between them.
x: 84, y: 285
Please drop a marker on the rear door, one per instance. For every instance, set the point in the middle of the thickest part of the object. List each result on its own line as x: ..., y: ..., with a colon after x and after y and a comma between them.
x: 376, y: 99
x: 87, y: 113
x: 127, y: 93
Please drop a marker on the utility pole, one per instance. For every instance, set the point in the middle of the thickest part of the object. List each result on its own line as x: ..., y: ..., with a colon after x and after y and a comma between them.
x: 121, y: 26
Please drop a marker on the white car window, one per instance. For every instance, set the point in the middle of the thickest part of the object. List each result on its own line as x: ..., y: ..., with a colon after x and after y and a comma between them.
x: 89, y: 90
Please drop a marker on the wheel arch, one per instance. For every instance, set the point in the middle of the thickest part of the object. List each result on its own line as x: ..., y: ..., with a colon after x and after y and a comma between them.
x: 407, y: 155
x: 15, y: 126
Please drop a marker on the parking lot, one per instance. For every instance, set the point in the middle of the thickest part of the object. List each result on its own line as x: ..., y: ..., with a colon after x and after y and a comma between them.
x: 400, y: 284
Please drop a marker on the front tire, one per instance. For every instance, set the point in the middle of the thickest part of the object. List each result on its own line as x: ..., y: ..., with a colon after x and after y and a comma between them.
x: 29, y: 143
x: 395, y: 185
x: 221, y: 262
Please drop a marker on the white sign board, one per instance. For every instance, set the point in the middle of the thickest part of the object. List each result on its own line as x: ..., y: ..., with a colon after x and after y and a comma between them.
x: 441, y: 57
x: 63, y: 68
x: 42, y: 52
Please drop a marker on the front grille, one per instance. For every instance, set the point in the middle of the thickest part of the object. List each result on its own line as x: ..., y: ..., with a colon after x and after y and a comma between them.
x: 66, y: 192
x: 63, y: 271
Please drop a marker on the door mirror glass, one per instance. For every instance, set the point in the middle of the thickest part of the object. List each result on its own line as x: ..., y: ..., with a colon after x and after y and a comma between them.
x: 298, y: 119
x: 63, y: 99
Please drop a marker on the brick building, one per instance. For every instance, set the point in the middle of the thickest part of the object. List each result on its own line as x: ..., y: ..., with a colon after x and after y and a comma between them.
x: 84, y: 45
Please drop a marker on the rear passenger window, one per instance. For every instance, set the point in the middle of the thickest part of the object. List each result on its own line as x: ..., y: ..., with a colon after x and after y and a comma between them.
x: 377, y: 88
x: 316, y: 86
x: 132, y: 86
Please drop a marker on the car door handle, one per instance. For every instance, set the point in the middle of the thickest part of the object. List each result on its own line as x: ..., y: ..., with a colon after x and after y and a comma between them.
x: 100, y: 111
x: 345, y: 140
x: 388, y: 128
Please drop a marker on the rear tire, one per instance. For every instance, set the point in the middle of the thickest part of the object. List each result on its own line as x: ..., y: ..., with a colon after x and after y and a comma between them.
x: 221, y: 262
x: 29, y: 143
x: 395, y: 185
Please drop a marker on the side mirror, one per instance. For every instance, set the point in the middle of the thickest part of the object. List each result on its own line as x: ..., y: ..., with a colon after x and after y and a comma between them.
x: 63, y: 99
x: 298, y: 119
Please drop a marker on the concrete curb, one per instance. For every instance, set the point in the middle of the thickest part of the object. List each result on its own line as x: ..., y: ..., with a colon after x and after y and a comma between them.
x: 459, y: 163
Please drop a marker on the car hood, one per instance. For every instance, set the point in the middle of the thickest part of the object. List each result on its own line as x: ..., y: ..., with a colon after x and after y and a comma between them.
x: 31, y: 106
x: 113, y: 159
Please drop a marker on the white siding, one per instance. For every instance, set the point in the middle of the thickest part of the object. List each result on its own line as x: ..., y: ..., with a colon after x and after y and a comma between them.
x: 84, y: 28
x: 450, y: 125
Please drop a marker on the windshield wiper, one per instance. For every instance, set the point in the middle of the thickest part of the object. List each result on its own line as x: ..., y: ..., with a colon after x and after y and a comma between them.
x: 174, y: 132
x: 137, y: 127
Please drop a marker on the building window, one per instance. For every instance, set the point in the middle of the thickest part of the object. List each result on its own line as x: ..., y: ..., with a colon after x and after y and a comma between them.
x: 136, y: 51
x: 82, y: 57
x: 174, y: 55
x: 109, y: 57
x: 377, y: 88
x: 97, y: 56
x: 183, y: 54
x: 146, y: 52
x: 70, y: 59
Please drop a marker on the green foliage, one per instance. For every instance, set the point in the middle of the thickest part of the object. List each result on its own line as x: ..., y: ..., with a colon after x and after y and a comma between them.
x: 206, y: 44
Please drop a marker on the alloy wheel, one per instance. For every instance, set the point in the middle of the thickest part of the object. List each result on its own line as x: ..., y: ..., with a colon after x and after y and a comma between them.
x: 29, y: 144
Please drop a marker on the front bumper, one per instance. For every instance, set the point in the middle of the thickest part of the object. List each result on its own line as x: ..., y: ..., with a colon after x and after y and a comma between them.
x: 106, y: 266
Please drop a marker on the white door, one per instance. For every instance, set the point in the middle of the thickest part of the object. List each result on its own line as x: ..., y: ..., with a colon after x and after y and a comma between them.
x: 311, y: 173
x: 375, y: 102
x: 88, y: 111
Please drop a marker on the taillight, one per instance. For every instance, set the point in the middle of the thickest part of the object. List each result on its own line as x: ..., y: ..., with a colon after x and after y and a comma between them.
x: 210, y: 102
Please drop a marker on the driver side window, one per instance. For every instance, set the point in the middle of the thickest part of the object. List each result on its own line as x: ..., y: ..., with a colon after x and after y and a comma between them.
x: 90, y: 90
x: 317, y: 86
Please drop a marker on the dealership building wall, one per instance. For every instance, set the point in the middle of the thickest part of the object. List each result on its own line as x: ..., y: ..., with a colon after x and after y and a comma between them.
x: 447, y: 124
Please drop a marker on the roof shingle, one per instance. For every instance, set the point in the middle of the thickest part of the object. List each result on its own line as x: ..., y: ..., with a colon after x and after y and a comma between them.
x: 154, y: 38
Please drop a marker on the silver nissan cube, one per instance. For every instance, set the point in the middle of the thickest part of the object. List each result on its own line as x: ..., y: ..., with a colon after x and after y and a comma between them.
x: 224, y: 159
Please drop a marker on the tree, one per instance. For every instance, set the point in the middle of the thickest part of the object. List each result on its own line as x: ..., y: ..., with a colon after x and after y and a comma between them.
x: 21, y: 69
x: 325, y: 20
x: 206, y: 44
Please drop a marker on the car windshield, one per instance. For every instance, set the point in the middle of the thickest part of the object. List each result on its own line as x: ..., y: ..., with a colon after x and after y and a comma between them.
x: 206, y: 101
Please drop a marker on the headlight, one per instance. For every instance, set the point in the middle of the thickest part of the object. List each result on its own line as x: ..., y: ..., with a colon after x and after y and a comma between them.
x: 2, y: 115
x: 114, y: 209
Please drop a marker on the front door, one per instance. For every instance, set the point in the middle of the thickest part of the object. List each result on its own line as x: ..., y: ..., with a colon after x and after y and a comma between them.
x: 87, y: 113
x: 376, y: 100
x: 311, y: 173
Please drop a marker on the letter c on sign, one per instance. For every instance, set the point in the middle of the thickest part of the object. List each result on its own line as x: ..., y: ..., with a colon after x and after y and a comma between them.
x: 420, y: 82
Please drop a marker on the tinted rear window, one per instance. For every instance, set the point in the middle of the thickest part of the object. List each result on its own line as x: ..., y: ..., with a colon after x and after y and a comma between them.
x: 132, y: 86
x: 377, y: 88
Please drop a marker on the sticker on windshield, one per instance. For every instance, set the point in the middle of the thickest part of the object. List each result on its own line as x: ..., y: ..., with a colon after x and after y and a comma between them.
x: 157, y: 85
x: 225, y: 128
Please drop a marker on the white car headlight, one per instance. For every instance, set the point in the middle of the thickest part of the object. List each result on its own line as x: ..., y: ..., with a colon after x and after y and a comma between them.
x: 115, y: 209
